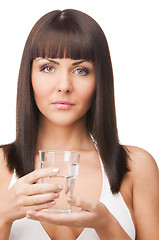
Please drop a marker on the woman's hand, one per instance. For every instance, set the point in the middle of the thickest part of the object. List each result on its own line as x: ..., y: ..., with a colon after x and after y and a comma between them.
x: 27, y: 194
x: 93, y: 214
x: 86, y: 217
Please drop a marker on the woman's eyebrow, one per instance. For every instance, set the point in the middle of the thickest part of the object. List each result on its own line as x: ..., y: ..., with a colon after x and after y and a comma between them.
x: 50, y: 60
x: 76, y: 63
x: 55, y: 62
x: 73, y: 64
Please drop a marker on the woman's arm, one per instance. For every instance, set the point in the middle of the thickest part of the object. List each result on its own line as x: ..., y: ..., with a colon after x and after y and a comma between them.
x: 4, y: 180
x: 4, y: 230
x: 145, y: 194
x: 23, y: 195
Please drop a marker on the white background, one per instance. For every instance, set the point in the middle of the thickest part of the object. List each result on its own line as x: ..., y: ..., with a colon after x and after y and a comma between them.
x: 132, y: 31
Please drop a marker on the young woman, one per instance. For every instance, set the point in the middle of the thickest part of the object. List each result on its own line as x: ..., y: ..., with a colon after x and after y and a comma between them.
x: 65, y: 101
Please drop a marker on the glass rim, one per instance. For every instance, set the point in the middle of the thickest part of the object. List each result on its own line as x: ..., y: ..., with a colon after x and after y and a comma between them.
x: 58, y: 151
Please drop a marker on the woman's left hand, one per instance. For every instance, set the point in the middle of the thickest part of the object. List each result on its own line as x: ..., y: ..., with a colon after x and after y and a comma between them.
x: 93, y: 214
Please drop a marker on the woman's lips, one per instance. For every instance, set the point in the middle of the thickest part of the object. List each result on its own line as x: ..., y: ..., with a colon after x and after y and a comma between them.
x: 63, y: 105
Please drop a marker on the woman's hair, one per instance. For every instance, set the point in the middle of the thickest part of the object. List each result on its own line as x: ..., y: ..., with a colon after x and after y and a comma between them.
x: 70, y: 34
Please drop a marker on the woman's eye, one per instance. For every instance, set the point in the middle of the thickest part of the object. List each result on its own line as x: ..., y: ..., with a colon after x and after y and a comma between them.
x: 47, y: 68
x: 81, y: 71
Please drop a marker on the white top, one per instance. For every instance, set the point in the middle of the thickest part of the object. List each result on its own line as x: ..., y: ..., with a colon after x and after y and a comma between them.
x: 25, y: 229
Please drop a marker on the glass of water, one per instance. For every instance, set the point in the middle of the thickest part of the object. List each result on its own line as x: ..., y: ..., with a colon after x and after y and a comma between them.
x: 68, y: 163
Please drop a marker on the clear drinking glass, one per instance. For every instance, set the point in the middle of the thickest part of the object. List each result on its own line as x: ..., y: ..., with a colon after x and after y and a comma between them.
x: 68, y: 163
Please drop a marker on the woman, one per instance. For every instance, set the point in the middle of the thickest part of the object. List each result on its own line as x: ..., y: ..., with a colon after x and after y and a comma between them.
x: 65, y: 101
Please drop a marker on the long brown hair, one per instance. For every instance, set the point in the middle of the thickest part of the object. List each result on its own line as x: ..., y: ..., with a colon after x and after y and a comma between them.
x: 77, y: 36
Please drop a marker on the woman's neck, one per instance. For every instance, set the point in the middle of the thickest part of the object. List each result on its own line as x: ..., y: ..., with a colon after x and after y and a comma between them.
x: 73, y: 138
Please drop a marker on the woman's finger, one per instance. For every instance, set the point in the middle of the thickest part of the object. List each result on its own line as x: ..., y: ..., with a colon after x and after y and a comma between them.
x: 85, y: 204
x: 43, y: 188
x: 56, y: 218
x: 39, y: 173
x: 39, y: 199
x: 40, y: 207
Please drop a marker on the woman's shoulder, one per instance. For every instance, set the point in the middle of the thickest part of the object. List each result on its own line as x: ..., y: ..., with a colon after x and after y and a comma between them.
x: 144, y: 174
x: 5, y: 174
x: 3, y: 161
x: 143, y: 166
x: 139, y: 157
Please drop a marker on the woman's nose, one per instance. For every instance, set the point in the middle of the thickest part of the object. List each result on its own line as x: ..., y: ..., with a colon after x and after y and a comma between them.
x: 64, y: 84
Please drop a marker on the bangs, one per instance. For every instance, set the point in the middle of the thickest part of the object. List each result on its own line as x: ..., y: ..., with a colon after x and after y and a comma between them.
x: 62, y: 38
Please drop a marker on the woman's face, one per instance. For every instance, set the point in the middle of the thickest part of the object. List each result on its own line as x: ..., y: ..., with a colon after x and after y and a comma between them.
x: 63, y: 89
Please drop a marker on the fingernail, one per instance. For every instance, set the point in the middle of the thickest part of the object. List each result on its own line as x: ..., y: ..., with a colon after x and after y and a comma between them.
x: 27, y: 215
x: 60, y: 186
x: 57, y: 195
x: 30, y: 214
x: 70, y: 198
x: 55, y: 170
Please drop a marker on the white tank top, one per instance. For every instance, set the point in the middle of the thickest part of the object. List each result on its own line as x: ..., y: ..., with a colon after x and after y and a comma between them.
x: 25, y: 228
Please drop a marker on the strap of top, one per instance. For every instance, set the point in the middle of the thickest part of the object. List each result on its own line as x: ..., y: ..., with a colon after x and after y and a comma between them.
x: 115, y: 202
x: 13, y: 180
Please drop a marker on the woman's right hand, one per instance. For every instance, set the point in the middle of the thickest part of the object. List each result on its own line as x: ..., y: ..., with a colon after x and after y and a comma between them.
x: 27, y: 194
